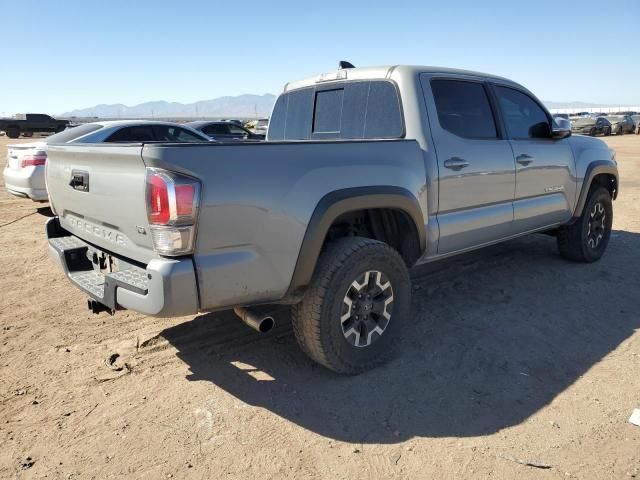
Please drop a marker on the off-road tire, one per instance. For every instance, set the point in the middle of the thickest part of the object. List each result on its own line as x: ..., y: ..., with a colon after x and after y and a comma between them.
x: 317, y: 323
x: 573, y: 240
x: 13, y: 132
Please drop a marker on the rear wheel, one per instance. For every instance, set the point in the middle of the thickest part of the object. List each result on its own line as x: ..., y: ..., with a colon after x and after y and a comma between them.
x: 355, y: 306
x: 587, y: 238
x: 607, y: 131
x: 13, y: 132
x: 593, y: 132
x: 620, y: 130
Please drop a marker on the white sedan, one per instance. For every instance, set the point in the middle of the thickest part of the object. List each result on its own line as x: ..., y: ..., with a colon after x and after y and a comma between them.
x: 24, y: 172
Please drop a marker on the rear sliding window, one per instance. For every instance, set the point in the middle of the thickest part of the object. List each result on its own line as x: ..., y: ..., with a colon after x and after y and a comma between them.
x: 342, y: 111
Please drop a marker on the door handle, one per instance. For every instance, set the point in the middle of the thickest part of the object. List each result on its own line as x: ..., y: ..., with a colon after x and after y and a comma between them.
x: 524, y: 159
x: 456, y: 163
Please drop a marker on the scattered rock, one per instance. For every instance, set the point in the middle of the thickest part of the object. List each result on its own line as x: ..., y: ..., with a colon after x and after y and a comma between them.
x: 356, y: 450
x: 635, y: 417
x: 554, y: 424
x: 20, y: 392
x: 112, y: 361
x: 27, y: 463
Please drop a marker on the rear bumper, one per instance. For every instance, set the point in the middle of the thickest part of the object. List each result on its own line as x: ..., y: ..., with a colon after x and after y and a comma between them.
x: 26, y: 182
x: 163, y: 288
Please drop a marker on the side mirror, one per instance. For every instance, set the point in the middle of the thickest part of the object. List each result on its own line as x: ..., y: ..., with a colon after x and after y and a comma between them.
x: 560, y: 128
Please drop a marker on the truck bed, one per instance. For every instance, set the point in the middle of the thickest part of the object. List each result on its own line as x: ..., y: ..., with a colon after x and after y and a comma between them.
x: 257, y: 201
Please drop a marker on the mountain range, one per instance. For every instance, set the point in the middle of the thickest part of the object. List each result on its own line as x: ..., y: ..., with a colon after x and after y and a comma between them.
x: 243, y: 106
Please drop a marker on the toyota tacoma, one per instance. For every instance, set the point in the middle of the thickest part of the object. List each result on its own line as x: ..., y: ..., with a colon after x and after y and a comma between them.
x: 365, y: 172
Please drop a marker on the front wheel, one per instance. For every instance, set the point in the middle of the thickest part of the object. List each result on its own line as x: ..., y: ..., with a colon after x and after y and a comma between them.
x: 357, y: 302
x: 587, y: 238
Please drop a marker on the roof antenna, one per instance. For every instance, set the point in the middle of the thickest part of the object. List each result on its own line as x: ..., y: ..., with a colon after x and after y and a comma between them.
x: 344, y: 64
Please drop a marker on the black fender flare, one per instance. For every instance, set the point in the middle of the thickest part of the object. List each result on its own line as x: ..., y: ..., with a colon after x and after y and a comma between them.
x: 598, y: 167
x: 339, y: 202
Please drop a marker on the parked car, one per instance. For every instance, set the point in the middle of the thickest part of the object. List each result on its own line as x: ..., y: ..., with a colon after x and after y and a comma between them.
x: 24, y: 171
x: 621, y: 124
x: 636, y: 120
x: 234, y: 120
x: 561, y: 115
x: 225, y: 131
x: 32, y: 123
x: 261, y: 126
x: 351, y: 189
x: 591, y: 126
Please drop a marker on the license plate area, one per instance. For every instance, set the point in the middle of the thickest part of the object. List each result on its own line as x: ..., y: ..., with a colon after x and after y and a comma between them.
x: 102, y: 262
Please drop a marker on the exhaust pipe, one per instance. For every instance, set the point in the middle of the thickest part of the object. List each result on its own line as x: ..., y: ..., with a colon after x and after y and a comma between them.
x: 260, y: 323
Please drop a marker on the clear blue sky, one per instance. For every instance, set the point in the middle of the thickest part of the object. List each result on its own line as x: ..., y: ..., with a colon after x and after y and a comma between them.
x: 57, y: 56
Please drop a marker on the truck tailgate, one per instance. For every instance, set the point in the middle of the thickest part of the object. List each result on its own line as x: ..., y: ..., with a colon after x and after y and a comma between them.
x: 99, y: 194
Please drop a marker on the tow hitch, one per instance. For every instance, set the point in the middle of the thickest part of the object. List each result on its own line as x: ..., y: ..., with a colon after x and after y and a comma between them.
x: 97, y: 307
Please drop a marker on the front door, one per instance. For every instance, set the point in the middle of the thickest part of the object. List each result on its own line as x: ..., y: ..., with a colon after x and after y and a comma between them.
x: 475, y: 163
x: 545, y: 168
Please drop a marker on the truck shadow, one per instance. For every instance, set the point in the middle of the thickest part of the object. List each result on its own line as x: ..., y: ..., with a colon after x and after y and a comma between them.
x: 494, y: 337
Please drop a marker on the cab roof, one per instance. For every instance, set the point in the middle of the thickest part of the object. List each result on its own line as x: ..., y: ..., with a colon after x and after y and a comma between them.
x: 382, y: 72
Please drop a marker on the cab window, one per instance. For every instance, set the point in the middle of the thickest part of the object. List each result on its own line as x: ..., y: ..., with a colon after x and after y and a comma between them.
x: 464, y: 109
x: 523, y: 117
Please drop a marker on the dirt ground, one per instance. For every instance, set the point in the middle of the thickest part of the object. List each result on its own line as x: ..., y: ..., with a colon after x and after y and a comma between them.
x: 514, y: 356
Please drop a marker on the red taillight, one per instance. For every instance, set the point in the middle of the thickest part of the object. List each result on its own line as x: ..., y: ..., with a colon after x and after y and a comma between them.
x: 172, y: 207
x: 33, y: 160
x: 158, y: 200
x: 185, y: 196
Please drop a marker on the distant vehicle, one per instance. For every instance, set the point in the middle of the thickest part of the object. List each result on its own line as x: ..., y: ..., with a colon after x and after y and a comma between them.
x: 561, y: 115
x: 636, y: 121
x: 598, y: 114
x: 234, y: 120
x: 32, y: 123
x: 227, y: 130
x: 591, y: 126
x: 621, y: 124
x: 261, y: 126
x: 24, y: 172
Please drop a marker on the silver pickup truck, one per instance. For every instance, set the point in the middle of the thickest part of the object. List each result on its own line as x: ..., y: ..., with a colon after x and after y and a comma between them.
x: 365, y: 173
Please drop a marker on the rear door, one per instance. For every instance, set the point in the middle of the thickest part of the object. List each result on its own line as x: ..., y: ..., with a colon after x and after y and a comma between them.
x: 545, y: 167
x: 475, y: 163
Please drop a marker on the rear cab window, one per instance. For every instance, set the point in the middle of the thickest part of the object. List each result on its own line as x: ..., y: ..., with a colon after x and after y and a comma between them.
x: 339, y: 111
